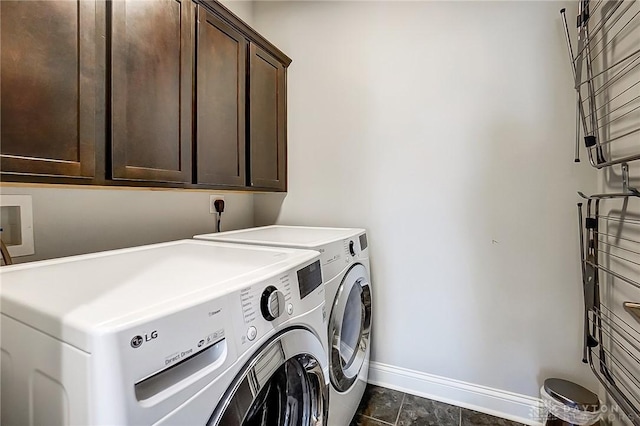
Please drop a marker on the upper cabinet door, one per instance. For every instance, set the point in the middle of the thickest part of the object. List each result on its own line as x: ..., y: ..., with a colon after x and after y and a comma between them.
x: 220, y: 91
x: 49, y: 80
x: 267, y: 120
x: 151, y: 84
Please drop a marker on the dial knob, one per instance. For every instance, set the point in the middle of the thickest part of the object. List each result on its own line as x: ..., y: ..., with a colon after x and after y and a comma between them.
x: 272, y: 303
x: 351, y: 248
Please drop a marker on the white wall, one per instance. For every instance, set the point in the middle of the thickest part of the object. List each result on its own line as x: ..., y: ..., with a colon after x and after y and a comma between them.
x: 70, y: 221
x: 242, y: 8
x: 446, y: 129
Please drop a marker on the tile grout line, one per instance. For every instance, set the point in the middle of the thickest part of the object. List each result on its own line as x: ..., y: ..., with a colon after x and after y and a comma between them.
x: 404, y: 396
x: 469, y: 420
x: 377, y: 420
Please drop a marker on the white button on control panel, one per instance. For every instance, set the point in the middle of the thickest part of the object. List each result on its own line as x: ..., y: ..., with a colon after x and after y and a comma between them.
x: 252, y: 332
x: 290, y: 308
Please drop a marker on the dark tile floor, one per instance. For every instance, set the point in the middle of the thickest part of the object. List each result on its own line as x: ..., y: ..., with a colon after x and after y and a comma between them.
x: 385, y: 407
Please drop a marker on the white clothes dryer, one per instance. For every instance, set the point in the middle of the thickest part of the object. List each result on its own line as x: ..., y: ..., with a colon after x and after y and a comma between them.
x: 344, y: 256
x: 181, y: 333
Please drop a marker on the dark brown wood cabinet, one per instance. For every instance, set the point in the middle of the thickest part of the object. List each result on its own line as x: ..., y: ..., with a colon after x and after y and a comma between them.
x: 173, y: 93
x: 51, y: 82
x: 151, y: 90
x: 267, y: 120
x: 220, y: 91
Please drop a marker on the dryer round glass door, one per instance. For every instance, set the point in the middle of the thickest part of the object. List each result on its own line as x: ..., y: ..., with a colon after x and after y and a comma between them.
x: 282, y: 385
x: 349, y: 328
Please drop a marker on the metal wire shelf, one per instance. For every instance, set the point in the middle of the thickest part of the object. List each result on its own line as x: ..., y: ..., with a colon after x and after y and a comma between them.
x: 606, y: 73
x: 606, y: 70
x: 627, y: 191
x: 610, y: 258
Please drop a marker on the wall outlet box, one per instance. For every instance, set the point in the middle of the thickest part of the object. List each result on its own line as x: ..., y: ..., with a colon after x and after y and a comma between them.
x: 16, y: 221
x: 212, y: 199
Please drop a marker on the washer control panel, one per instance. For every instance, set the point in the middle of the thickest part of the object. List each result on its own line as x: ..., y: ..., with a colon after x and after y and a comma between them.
x: 262, y: 301
x: 265, y: 306
x: 271, y: 303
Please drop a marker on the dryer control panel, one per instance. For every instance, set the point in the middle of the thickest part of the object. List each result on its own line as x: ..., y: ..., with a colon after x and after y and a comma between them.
x: 337, y: 256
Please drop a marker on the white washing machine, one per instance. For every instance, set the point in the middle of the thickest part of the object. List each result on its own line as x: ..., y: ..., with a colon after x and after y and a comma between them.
x: 182, y: 333
x: 344, y: 255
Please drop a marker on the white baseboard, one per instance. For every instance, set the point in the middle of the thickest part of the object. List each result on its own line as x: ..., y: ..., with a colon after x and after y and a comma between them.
x: 495, y: 402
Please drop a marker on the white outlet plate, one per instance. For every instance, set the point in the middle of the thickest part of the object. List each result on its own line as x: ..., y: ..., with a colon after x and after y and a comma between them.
x: 212, y: 199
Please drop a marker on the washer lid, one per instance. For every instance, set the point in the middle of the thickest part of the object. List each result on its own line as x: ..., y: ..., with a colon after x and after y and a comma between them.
x: 284, y: 236
x: 69, y: 298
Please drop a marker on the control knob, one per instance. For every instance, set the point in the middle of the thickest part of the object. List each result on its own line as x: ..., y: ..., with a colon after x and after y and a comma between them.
x: 351, y: 248
x: 272, y: 303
